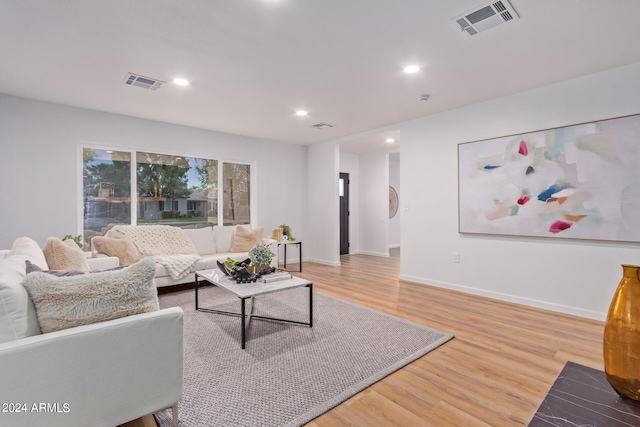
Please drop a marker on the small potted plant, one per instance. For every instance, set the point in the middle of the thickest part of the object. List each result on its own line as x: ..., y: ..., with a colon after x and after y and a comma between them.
x: 77, y: 239
x: 261, y: 256
x: 286, y: 230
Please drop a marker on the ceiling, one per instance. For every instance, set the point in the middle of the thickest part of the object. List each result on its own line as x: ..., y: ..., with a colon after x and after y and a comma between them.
x: 253, y: 63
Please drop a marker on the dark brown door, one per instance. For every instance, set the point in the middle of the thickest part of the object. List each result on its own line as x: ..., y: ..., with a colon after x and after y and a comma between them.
x: 344, y: 213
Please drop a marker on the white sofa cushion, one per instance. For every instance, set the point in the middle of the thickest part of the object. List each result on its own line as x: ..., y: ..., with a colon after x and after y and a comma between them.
x: 224, y: 237
x: 17, y: 312
x: 203, y: 239
x: 67, y: 302
x: 107, y: 373
x: 103, y: 262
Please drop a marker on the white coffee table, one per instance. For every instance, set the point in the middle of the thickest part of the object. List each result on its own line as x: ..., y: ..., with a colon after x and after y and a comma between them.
x: 246, y: 291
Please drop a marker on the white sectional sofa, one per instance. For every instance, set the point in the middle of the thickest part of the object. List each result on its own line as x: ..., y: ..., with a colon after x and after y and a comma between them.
x: 211, y: 244
x: 100, y: 374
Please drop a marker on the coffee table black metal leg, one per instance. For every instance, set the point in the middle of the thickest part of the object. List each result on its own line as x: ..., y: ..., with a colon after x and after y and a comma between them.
x: 310, y: 285
x: 242, y: 323
x: 196, y: 287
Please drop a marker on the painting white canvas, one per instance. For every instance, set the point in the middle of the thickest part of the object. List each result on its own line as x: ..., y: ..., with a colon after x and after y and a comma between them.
x: 579, y: 182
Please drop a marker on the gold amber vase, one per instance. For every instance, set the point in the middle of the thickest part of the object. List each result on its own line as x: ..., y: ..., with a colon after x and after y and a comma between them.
x: 622, y: 336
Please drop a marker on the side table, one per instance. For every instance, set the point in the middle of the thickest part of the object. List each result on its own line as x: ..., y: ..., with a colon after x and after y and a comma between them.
x: 286, y: 243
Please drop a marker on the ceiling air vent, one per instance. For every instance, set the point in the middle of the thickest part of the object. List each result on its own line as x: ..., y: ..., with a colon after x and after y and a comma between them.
x: 141, y: 81
x: 322, y: 125
x: 485, y: 17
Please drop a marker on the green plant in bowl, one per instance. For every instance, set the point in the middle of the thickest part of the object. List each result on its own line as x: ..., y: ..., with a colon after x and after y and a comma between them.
x: 261, y: 255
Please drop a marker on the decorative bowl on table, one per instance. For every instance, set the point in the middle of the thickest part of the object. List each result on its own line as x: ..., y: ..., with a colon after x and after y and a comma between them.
x: 229, y: 265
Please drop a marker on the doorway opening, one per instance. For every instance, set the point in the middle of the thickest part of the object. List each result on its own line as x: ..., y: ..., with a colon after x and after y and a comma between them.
x: 393, y: 232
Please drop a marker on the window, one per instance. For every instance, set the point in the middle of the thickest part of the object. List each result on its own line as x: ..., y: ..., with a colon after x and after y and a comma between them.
x: 167, y: 189
x: 176, y: 189
x: 106, y: 177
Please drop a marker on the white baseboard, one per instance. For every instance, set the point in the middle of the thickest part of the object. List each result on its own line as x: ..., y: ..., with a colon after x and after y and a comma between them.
x: 323, y: 261
x: 394, y: 246
x: 380, y: 254
x: 575, y: 311
x: 289, y: 260
x: 354, y: 252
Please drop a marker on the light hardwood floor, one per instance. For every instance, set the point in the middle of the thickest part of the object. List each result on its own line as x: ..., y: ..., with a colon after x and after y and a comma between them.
x: 495, y: 372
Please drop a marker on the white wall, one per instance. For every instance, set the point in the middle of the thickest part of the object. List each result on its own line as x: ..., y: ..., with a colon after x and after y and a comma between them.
x: 323, y: 243
x: 577, y: 277
x: 394, y: 223
x: 374, y: 203
x: 349, y: 163
x: 39, y: 165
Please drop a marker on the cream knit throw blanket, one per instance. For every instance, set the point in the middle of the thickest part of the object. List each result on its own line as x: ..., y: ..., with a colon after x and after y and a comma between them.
x: 168, y: 245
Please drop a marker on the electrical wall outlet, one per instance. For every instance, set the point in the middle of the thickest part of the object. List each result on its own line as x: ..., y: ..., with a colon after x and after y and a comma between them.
x: 456, y: 257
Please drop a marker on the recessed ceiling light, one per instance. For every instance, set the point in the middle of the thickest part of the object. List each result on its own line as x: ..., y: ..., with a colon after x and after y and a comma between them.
x: 410, y: 69
x: 390, y: 140
x: 301, y: 113
x: 181, y: 82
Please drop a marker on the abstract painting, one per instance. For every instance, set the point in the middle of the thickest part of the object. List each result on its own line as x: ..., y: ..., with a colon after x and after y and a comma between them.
x: 578, y: 182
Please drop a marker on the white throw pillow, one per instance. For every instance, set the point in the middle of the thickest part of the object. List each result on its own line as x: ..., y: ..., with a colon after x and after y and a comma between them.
x: 17, y: 312
x: 28, y: 249
x: 203, y: 239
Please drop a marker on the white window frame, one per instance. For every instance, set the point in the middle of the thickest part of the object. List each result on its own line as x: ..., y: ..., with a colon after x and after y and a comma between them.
x: 253, y: 170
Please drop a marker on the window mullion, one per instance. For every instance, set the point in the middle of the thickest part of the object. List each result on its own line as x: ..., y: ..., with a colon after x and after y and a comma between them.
x: 220, y: 192
x: 134, y: 188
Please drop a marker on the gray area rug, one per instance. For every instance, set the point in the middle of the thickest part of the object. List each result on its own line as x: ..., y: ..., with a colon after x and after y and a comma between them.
x: 288, y: 374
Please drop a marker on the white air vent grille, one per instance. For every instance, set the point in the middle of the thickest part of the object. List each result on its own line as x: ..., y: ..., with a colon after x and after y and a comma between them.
x: 142, y: 81
x: 485, y: 17
x: 322, y: 125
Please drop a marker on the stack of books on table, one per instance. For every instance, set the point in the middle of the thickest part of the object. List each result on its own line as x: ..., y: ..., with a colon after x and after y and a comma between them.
x: 274, y: 277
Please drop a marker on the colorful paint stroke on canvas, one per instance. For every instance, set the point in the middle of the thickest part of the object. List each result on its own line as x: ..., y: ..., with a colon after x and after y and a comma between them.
x: 579, y: 182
